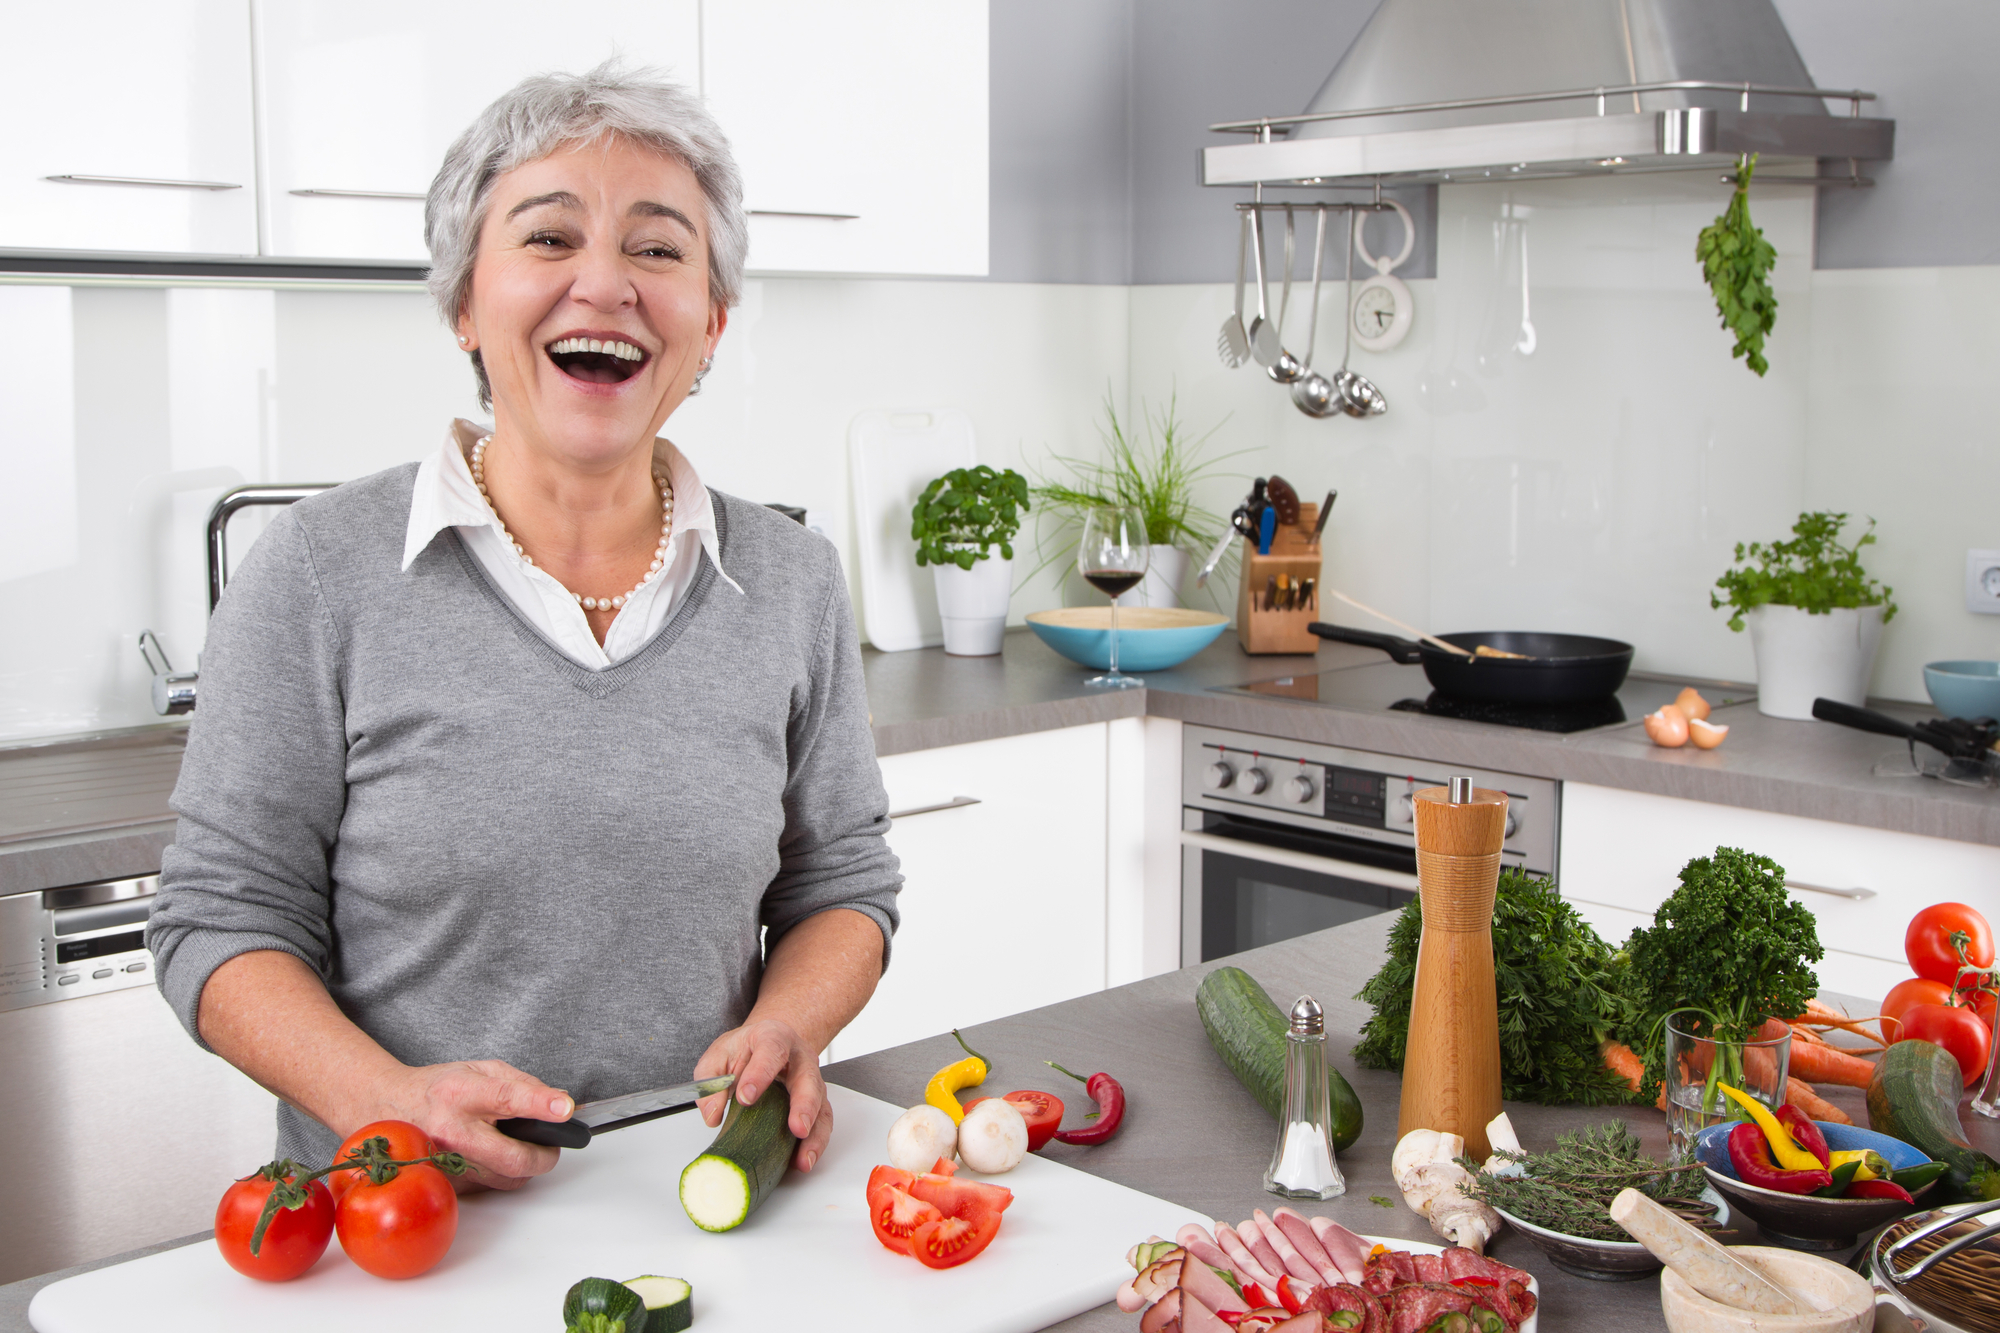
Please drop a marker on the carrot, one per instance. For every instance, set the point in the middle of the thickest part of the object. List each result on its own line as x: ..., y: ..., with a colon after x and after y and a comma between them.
x: 1830, y: 1064
x: 1620, y: 1060
x: 1824, y: 1016
x: 1800, y: 1032
x: 1771, y: 1029
x: 1800, y: 1094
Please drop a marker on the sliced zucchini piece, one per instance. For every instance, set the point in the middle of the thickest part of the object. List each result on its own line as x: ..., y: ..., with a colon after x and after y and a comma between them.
x: 723, y: 1186
x: 599, y: 1305
x: 669, y: 1302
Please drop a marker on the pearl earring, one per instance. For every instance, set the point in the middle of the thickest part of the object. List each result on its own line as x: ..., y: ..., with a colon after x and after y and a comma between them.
x: 461, y: 340
x: 700, y: 373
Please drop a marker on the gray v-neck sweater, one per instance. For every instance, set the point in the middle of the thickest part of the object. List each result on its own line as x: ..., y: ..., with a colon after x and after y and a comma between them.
x: 490, y: 852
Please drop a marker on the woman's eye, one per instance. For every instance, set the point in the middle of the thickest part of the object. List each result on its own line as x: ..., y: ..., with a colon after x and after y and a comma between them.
x: 661, y: 250
x: 549, y: 240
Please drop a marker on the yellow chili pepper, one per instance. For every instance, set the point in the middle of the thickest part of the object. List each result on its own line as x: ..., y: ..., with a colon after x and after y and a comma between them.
x: 1789, y: 1154
x: 1873, y: 1165
x: 944, y: 1086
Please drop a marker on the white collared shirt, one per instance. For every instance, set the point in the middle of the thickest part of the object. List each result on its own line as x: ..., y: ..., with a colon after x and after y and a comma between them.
x: 446, y: 497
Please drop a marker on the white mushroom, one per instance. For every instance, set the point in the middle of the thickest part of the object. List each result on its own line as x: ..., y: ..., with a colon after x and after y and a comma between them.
x: 993, y: 1137
x: 919, y: 1137
x: 1427, y: 1172
x: 1500, y: 1133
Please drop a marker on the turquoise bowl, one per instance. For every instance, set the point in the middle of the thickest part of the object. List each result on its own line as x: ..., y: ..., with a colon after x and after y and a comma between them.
x: 1803, y: 1221
x: 1150, y: 638
x: 1964, y: 689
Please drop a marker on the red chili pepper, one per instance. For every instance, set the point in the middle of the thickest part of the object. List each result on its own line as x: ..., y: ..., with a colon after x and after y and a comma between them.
x: 1110, y: 1099
x: 1288, y: 1298
x: 1805, y: 1133
x: 1231, y: 1317
x: 1474, y: 1282
x: 1750, y: 1154
x: 1877, y: 1189
x: 1256, y: 1297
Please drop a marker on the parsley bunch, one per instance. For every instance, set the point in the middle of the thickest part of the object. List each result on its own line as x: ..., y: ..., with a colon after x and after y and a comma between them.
x: 964, y: 514
x: 1813, y: 572
x: 1735, y: 258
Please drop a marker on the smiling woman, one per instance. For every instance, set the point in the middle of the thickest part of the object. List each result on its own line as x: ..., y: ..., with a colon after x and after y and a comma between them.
x: 475, y: 728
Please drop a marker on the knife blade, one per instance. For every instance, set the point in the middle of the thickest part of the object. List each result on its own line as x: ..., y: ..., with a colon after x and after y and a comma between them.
x: 601, y: 1117
x: 1215, y: 557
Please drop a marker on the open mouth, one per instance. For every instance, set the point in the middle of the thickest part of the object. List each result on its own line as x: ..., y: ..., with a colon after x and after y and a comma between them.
x: 595, y: 360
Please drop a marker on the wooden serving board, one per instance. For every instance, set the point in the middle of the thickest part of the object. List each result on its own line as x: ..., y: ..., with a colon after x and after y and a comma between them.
x: 613, y: 1210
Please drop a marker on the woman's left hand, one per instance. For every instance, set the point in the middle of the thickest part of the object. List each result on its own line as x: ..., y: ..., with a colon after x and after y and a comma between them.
x: 758, y: 1053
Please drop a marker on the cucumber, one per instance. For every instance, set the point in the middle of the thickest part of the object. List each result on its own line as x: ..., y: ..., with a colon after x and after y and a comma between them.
x: 723, y: 1186
x: 1914, y: 1097
x: 1248, y: 1032
x: 599, y: 1305
x: 669, y: 1302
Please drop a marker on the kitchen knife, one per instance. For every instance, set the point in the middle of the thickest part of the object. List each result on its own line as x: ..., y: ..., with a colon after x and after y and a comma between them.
x: 601, y: 1117
x: 1319, y: 525
x: 1215, y: 557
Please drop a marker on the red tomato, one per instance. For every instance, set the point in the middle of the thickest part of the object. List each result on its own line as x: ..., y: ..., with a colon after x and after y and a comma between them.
x: 1904, y: 996
x: 406, y: 1142
x: 1043, y: 1113
x: 950, y: 1241
x: 969, y: 1200
x: 894, y: 1215
x: 293, y: 1242
x: 1927, y: 943
x: 889, y: 1175
x: 1959, y: 1031
x: 401, y: 1228
x: 1981, y: 1002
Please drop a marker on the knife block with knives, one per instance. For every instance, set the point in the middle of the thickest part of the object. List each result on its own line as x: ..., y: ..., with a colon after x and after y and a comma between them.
x: 1278, y: 596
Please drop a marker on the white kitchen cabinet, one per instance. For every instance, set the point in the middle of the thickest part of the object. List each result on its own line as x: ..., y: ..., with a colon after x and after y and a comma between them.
x: 1622, y: 853
x: 861, y: 128
x: 143, y: 108
x: 1004, y: 901
x: 359, y: 99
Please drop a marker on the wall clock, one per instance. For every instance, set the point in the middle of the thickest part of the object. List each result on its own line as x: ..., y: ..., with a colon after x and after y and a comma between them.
x: 1382, y: 307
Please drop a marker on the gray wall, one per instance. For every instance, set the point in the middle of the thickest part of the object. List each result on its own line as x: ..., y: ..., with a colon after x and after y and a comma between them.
x: 1099, y: 108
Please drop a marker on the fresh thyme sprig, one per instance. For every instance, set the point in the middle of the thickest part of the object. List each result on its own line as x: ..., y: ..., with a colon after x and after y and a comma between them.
x: 1569, y: 1189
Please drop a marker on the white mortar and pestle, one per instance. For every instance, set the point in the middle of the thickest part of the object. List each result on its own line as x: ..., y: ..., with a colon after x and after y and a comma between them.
x: 1710, y: 1288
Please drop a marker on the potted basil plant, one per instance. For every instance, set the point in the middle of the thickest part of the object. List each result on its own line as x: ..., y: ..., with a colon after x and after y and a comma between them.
x: 958, y: 522
x: 1815, y: 616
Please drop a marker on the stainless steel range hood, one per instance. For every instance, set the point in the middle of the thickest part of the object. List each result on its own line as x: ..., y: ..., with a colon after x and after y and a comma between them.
x: 1472, y: 90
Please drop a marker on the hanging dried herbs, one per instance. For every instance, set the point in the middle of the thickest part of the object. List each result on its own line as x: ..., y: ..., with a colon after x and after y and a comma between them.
x: 1737, y: 260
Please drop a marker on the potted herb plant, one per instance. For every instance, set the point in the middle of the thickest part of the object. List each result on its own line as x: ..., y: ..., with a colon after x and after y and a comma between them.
x: 1158, y: 478
x: 957, y: 522
x: 1815, y: 616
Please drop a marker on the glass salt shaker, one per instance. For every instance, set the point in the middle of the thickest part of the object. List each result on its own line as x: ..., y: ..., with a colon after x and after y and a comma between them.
x: 1302, y: 1165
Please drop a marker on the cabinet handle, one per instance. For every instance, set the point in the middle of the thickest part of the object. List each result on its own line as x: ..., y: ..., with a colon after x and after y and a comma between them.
x: 1281, y: 856
x: 953, y: 804
x: 1857, y: 895
x: 794, y: 213
x: 74, y: 179
x: 360, y: 194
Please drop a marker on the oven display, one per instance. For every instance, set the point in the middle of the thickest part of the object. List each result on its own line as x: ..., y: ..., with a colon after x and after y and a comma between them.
x: 76, y: 951
x: 1355, y: 796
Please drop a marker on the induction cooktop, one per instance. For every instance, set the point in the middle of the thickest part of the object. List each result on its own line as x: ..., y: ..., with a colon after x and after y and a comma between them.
x: 1388, y: 687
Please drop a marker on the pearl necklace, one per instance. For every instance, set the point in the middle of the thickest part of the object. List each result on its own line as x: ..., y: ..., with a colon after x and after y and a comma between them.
x: 660, y: 479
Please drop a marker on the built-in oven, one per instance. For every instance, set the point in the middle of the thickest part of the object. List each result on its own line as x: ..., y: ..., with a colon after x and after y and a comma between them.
x: 1281, y: 838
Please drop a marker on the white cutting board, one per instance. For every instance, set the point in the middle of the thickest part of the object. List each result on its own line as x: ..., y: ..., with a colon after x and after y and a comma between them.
x: 613, y: 1210
x: 895, y: 455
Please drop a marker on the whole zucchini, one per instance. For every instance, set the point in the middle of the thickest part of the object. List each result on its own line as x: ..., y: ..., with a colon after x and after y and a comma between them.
x: 1914, y: 1097
x: 723, y: 1186
x: 1248, y: 1032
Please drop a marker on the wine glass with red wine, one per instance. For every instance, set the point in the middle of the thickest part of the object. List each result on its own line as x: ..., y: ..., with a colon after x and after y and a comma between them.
x: 1112, y: 558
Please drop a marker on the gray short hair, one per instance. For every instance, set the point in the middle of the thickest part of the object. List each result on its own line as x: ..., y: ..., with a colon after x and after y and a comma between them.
x: 546, y: 112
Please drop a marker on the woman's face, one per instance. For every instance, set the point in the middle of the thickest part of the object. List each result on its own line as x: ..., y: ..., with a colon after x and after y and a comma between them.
x: 602, y: 245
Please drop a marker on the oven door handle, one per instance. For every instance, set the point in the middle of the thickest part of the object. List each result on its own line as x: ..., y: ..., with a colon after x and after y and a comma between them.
x: 1280, y: 856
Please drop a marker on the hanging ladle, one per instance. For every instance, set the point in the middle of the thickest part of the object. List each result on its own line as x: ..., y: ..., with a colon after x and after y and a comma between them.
x: 1287, y: 370
x: 1314, y: 393
x: 1358, y: 397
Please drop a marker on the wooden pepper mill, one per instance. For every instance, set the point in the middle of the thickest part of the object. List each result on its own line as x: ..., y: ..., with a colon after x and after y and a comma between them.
x: 1451, y: 1067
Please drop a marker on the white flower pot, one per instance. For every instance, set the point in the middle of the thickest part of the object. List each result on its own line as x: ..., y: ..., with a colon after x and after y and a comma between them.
x: 972, y: 603
x: 1802, y: 657
x: 1162, y: 585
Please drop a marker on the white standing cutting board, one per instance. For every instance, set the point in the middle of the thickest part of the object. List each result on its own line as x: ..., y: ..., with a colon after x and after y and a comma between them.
x: 807, y: 1257
x: 895, y: 455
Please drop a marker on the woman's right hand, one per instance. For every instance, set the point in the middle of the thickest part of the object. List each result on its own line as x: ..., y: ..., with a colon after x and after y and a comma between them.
x: 456, y: 1104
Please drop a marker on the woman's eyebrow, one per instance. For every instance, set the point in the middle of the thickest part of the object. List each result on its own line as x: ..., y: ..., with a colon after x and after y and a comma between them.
x: 646, y: 208
x: 560, y: 198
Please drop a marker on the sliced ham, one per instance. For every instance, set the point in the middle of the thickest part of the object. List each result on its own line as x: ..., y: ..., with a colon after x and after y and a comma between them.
x: 1163, y: 1315
x: 1200, y: 1281
x: 1198, y: 1318
x: 1281, y: 1244
x: 1307, y: 1322
x: 1260, y: 1247
x: 1197, y: 1243
x: 1246, y: 1265
x: 1298, y: 1230
x: 1347, y: 1250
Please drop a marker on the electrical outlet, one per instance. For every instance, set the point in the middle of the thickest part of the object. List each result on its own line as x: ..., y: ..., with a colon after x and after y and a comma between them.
x: 1982, y: 582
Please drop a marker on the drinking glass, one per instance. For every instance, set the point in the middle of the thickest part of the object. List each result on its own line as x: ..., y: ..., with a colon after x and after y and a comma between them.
x: 1112, y: 558
x: 1696, y: 1063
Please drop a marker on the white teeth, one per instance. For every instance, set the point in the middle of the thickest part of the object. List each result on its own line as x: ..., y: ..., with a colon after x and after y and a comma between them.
x: 610, y: 347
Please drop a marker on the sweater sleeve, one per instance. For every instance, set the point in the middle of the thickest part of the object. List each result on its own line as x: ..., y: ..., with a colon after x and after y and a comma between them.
x: 263, y: 785
x: 834, y: 852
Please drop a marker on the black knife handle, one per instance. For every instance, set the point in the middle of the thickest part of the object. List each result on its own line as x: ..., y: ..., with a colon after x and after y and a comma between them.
x: 548, y: 1133
x: 1866, y: 719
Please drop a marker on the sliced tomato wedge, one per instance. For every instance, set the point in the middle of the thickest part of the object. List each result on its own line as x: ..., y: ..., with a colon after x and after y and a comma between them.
x: 950, y: 1241
x: 889, y: 1175
x: 968, y: 1200
x: 895, y: 1215
x: 1042, y: 1111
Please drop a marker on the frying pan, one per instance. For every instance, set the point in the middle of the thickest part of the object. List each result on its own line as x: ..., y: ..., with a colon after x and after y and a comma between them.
x: 1555, y: 669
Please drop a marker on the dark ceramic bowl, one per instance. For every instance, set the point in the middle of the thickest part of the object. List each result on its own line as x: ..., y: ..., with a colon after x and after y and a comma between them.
x: 1599, y: 1260
x: 1802, y: 1221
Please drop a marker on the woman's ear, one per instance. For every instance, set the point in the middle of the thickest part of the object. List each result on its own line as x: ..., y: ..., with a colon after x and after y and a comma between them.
x: 468, y: 336
x: 718, y: 320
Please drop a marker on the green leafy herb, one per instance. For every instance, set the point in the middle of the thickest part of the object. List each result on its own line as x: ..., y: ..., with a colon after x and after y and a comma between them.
x: 1813, y: 572
x: 1381, y: 1201
x: 964, y: 514
x: 1731, y: 947
x: 1570, y: 1188
x: 1560, y: 990
x: 1736, y: 259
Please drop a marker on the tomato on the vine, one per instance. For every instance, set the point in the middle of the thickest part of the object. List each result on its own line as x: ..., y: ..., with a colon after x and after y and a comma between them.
x: 293, y: 1242
x: 401, y: 1227
x: 1927, y: 943
x: 1906, y: 995
x: 1043, y: 1112
x: 1956, y: 1029
x: 406, y: 1143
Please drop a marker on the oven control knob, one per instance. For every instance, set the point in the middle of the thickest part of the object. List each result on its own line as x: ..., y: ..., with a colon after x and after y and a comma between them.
x: 1513, y: 823
x: 1300, y: 789
x: 1219, y: 775
x: 1402, y: 811
x: 1253, y: 781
